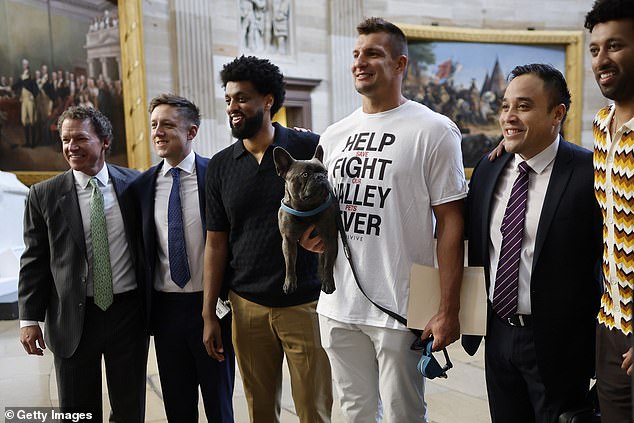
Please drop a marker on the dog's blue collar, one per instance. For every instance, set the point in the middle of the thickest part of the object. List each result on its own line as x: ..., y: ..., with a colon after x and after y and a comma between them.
x: 308, y: 213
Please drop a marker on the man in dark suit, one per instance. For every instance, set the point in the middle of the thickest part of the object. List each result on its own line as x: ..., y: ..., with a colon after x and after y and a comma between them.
x: 78, y: 274
x: 534, y: 224
x: 177, y: 296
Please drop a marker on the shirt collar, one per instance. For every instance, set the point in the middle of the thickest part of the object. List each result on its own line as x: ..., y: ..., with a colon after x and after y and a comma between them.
x: 628, y: 126
x: 188, y: 164
x: 83, y: 180
x: 238, y: 149
x: 540, y: 161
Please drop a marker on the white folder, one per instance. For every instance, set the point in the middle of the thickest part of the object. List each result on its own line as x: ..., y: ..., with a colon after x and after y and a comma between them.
x: 424, y: 298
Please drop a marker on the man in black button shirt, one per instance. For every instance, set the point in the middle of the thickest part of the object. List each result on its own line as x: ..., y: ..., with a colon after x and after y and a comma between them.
x: 244, y: 253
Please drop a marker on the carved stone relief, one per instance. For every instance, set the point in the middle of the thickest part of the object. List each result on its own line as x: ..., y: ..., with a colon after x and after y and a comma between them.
x: 265, y: 25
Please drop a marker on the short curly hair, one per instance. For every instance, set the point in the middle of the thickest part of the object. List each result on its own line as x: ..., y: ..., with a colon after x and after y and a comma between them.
x: 609, y: 10
x: 99, y: 122
x: 188, y: 110
x: 264, y: 75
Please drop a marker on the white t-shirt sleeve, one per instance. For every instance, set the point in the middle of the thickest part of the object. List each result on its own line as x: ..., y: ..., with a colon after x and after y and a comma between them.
x: 445, y: 170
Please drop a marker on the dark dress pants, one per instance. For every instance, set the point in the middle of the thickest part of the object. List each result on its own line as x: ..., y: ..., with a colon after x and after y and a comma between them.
x: 184, y: 364
x: 515, y: 387
x: 118, y: 335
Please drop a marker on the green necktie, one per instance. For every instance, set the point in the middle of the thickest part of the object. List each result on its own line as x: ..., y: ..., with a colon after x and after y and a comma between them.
x: 102, y: 272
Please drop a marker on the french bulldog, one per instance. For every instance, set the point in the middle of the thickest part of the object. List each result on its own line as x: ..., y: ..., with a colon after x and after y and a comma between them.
x: 307, y: 200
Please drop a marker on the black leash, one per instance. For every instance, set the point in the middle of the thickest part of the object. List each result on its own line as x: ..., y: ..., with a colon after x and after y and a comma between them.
x: 418, y: 343
x: 346, y: 251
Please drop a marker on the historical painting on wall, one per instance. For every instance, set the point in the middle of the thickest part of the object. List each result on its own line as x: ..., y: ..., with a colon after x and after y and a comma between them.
x: 466, y: 82
x: 53, y: 56
x: 265, y: 26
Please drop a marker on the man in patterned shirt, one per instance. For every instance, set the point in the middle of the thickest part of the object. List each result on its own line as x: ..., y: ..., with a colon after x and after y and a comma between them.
x: 611, y: 26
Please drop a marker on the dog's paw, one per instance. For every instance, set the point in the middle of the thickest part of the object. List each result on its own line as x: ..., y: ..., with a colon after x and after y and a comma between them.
x: 289, y: 286
x: 328, y: 287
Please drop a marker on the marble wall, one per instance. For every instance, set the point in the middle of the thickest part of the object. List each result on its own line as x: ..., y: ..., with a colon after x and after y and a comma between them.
x: 188, y: 41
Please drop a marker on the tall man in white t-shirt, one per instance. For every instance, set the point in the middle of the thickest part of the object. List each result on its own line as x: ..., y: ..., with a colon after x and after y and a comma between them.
x: 395, y: 165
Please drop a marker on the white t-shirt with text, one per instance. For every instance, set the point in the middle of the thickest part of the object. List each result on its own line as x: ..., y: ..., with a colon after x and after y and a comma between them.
x: 388, y: 169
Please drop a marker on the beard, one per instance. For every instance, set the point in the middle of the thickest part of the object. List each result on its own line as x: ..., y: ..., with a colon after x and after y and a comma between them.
x: 249, y: 127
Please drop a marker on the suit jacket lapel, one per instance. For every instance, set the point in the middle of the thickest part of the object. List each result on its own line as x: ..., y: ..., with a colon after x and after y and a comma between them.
x: 125, y: 208
x: 148, y: 204
x: 119, y: 185
x: 559, y: 179
x: 495, y: 171
x: 68, y: 205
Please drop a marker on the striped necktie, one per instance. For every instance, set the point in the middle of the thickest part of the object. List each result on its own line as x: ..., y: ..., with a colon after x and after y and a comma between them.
x: 507, y: 276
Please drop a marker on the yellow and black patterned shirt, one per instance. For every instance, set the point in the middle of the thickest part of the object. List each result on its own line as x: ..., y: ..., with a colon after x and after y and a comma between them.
x: 614, y: 189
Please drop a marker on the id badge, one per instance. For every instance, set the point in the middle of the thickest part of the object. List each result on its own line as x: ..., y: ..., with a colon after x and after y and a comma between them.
x: 222, y: 308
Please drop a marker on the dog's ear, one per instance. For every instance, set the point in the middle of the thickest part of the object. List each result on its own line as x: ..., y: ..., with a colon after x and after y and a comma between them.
x: 319, y: 153
x: 283, y: 161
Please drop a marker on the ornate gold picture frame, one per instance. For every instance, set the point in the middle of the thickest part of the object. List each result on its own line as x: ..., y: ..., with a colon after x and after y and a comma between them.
x: 462, y: 73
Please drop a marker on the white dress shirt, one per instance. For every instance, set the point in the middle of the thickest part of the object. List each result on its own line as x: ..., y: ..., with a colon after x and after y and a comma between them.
x: 192, y: 223
x: 123, y: 277
x: 538, y: 179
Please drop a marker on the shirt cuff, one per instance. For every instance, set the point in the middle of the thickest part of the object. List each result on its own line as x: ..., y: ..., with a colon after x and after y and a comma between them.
x: 25, y: 323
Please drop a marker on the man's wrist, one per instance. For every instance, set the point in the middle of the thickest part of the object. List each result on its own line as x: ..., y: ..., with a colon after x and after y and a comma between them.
x: 26, y: 323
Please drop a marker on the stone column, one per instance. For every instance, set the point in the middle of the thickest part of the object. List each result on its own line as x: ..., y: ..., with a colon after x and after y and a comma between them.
x: 345, y: 15
x: 104, y: 68
x: 91, y: 68
x: 194, y: 59
x: 118, y: 65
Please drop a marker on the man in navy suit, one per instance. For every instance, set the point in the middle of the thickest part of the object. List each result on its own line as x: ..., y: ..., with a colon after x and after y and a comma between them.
x: 80, y: 274
x: 539, y: 354
x: 176, y: 296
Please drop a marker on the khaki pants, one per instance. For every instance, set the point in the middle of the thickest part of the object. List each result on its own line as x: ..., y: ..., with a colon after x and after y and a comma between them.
x: 261, y: 337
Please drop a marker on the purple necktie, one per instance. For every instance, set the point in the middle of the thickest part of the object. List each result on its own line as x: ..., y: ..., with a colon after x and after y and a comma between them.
x: 507, y: 276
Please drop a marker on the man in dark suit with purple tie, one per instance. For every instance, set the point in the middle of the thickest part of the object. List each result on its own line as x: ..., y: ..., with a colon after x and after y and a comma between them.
x: 534, y: 224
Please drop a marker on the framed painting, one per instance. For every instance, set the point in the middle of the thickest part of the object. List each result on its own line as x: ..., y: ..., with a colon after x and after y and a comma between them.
x: 54, y: 56
x: 462, y: 73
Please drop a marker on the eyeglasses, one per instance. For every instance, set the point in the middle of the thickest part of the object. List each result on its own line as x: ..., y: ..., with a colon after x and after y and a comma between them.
x: 428, y: 365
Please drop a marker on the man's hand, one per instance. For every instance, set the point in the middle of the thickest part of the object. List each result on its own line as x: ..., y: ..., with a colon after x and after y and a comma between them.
x: 314, y: 244
x: 627, y: 362
x: 212, y: 339
x: 444, y: 327
x: 497, y: 151
x: 32, y: 340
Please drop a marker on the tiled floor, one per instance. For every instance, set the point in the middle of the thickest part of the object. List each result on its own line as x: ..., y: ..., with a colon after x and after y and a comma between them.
x: 30, y: 381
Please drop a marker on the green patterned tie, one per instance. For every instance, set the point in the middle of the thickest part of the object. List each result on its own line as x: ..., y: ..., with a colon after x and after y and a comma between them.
x: 102, y: 272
